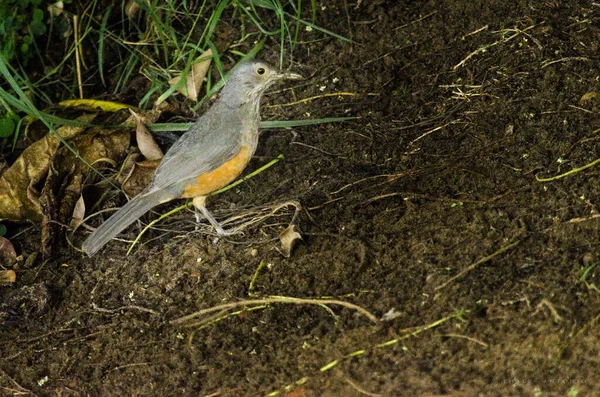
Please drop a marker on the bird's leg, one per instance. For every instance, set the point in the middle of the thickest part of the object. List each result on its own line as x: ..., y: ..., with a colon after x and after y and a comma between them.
x: 200, y: 207
x: 198, y: 215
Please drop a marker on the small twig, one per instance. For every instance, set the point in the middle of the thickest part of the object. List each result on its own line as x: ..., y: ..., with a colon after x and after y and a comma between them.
x: 582, y: 109
x: 357, y: 387
x: 588, y: 326
x: 127, y: 307
x: 261, y: 214
x: 381, y: 197
x: 412, y: 22
x: 21, y: 388
x: 485, y: 47
x: 548, y: 63
x: 434, y: 130
x: 277, y: 299
x: 316, y: 148
x: 326, y: 95
x: 128, y: 366
x: 391, y: 178
x: 583, y: 219
x: 479, y: 262
x: 77, y: 54
x: 481, y: 29
x: 550, y: 306
x: 467, y: 338
x: 35, y: 338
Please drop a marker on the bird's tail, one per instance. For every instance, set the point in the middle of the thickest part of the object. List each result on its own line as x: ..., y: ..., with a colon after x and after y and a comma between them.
x: 124, y: 217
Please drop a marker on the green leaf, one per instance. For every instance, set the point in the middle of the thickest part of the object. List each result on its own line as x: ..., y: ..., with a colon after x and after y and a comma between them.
x: 7, y: 127
x: 2, y: 230
x: 37, y: 28
x: 38, y: 15
x: 8, y: 23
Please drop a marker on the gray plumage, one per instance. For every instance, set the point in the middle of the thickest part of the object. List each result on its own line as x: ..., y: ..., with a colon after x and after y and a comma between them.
x: 214, y: 139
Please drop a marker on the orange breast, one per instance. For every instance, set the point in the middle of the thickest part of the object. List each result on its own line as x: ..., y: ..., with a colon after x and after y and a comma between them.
x: 222, y: 176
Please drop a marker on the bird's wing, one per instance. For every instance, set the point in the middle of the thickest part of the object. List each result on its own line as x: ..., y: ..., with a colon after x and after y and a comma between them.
x: 210, y: 142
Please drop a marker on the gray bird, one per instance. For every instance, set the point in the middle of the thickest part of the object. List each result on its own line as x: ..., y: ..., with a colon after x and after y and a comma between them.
x: 210, y: 155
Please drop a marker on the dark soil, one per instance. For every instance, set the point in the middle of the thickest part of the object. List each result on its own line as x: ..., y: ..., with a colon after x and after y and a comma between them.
x: 462, y: 106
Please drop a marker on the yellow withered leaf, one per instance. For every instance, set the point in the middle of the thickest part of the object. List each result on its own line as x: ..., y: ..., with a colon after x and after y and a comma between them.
x: 195, y: 77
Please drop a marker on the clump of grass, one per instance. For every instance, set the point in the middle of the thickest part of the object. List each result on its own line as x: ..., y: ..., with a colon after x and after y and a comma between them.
x: 164, y: 48
x: 157, y: 38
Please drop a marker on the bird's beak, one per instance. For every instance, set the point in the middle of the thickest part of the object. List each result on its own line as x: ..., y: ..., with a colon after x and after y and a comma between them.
x: 290, y: 76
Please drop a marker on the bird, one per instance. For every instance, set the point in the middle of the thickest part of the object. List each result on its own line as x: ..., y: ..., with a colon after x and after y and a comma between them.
x: 212, y: 153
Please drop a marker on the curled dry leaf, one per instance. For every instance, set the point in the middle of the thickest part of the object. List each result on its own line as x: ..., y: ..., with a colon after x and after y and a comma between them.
x: 589, y: 97
x: 390, y: 315
x: 64, y: 182
x: 45, y: 183
x: 19, y: 196
x: 288, y: 239
x: 56, y: 9
x: 78, y: 213
x: 7, y: 277
x: 8, y: 256
x: 146, y: 142
x: 195, y: 77
x: 137, y: 175
x: 132, y: 9
x: 49, y: 207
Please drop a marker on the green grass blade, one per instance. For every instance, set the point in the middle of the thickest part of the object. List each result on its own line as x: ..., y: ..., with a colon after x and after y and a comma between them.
x: 165, y: 127
x: 33, y: 111
x: 320, y: 29
x: 300, y: 123
x: 102, y: 33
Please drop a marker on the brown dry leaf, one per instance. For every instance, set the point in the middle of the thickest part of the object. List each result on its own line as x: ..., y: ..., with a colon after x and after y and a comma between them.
x: 19, y: 196
x: 7, y: 277
x: 49, y: 208
x: 8, y: 256
x: 78, y: 213
x: 195, y: 77
x: 138, y: 176
x: 146, y: 142
x: 56, y: 9
x: 132, y: 9
x: 70, y: 194
x: 45, y: 183
x: 588, y: 97
x: 288, y: 239
x: 66, y: 174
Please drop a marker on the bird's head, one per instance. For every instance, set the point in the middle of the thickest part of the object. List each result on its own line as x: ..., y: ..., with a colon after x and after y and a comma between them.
x: 250, y: 79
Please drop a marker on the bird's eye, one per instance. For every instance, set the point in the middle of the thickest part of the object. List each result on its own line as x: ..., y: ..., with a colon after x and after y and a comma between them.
x: 260, y: 71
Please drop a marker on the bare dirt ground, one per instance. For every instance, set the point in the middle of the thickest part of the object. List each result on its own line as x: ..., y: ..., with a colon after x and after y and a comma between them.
x: 430, y: 211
